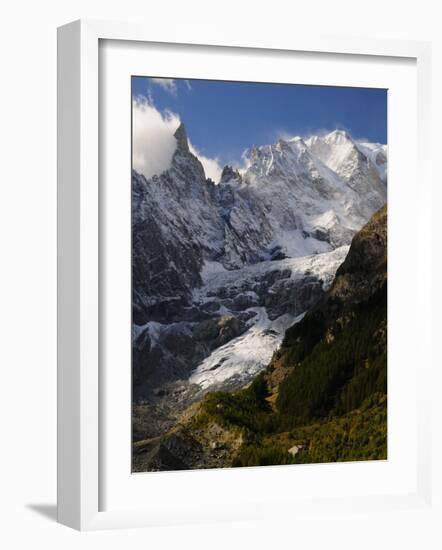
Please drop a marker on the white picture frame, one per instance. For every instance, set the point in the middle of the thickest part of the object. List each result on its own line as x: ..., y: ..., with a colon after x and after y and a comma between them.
x: 79, y: 390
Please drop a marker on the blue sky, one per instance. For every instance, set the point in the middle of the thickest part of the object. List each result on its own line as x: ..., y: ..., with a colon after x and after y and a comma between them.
x: 225, y: 118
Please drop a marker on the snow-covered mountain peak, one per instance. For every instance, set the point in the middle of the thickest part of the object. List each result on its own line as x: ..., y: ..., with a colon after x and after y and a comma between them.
x: 296, y: 138
x: 354, y: 163
x: 338, y: 137
x: 283, y: 159
x: 337, y: 151
x: 333, y: 149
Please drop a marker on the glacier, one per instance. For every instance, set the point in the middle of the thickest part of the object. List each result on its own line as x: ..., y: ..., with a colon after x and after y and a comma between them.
x: 243, y: 357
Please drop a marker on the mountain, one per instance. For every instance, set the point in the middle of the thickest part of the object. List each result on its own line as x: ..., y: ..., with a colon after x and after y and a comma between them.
x: 377, y: 153
x: 175, y: 226
x: 317, y: 192
x: 356, y: 164
x: 323, y: 396
x: 219, y: 271
x: 344, y: 336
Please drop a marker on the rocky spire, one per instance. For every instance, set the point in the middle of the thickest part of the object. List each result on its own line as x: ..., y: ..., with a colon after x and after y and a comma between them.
x: 181, y: 137
x: 229, y: 174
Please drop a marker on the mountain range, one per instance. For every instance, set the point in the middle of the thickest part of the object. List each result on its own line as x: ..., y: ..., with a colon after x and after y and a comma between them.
x: 242, y: 257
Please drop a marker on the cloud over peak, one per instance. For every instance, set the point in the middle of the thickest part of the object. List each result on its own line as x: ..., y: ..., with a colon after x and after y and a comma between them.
x: 154, y: 143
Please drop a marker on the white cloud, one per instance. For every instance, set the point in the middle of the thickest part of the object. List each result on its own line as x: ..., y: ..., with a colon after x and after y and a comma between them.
x: 211, y: 167
x: 167, y: 84
x: 245, y: 162
x: 154, y: 143
x: 153, y: 140
x: 283, y: 134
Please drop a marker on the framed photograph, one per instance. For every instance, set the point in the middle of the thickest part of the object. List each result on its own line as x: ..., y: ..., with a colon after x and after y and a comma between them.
x: 259, y: 282
x: 236, y: 338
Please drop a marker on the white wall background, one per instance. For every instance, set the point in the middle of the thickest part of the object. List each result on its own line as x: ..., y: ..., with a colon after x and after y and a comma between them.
x: 28, y: 267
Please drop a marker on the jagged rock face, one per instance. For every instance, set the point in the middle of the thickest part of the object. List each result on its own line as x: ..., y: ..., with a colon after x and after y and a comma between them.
x: 377, y: 153
x: 356, y: 166
x: 364, y: 270
x: 181, y: 137
x: 296, y: 198
x: 229, y: 174
x: 164, y: 352
x: 175, y: 224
